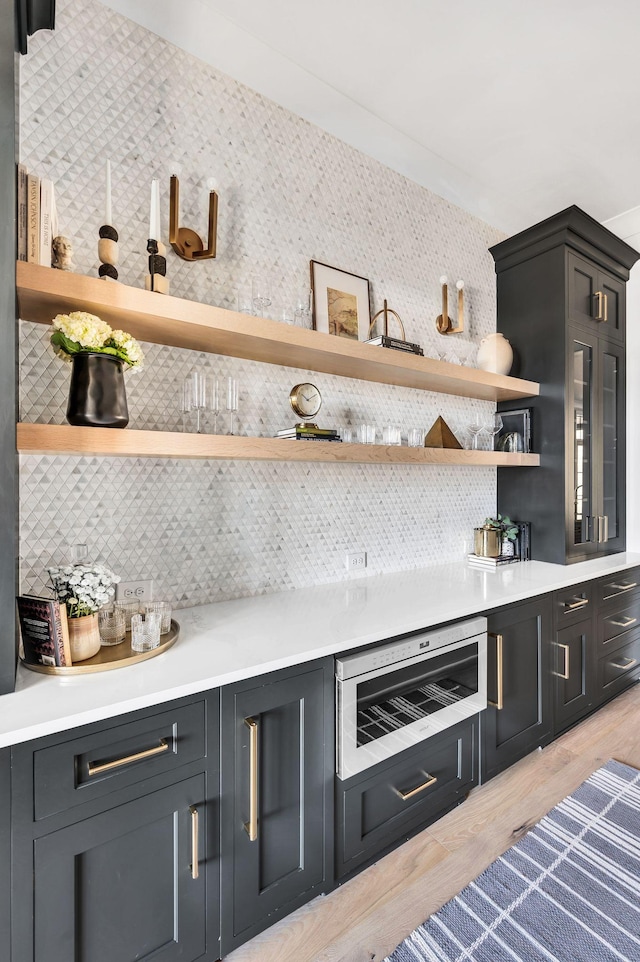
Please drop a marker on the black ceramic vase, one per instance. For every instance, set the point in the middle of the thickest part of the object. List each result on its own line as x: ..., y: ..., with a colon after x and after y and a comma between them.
x: 97, y: 396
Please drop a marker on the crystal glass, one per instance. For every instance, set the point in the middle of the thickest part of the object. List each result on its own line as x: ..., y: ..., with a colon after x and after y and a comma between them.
x: 415, y: 437
x: 367, y: 433
x: 112, y: 625
x: 212, y: 400
x: 260, y: 293
x: 475, y: 429
x: 130, y: 609
x: 303, y: 307
x: 244, y: 299
x: 164, y: 609
x: 199, y: 397
x: 186, y: 403
x: 232, y: 400
x: 493, y: 427
x: 391, y: 434
x: 145, y: 631
x: 346, y: 434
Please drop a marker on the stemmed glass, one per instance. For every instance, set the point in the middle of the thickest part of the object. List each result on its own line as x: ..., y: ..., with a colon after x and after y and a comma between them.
x: 475, y: 429
x: 260, y: 293
x: 493, y: 427
x: 186, y: 403
x: 213, y: 399
x: 199, y: 397
x: 232, y: 400
x: 303, y: 306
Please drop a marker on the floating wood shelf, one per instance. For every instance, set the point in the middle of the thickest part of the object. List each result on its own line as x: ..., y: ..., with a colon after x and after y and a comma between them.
x: 65, y: 439
x: 44, y: 292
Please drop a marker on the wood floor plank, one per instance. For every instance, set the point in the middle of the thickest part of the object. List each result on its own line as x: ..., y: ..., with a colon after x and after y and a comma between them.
x: 367, y: 917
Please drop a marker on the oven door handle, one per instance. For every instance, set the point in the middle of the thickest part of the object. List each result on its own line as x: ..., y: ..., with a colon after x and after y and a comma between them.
x: 499, y: 702
x: 405, y: 796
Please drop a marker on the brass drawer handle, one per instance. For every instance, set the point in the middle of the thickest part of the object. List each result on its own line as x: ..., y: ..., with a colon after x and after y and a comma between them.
x: 601, y: 311
x: 251, y: 827
x: 578, y: 603
x: 630, y: 662
x: 96, y: 768
x: 565, y: 673
x: 628, y: 587
x: 623, y: 624
x: 431, y: 780
x: 195, y: 870
x: 499, y: 702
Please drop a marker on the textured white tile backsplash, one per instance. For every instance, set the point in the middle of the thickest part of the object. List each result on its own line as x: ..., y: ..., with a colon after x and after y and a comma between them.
x: 101, y: 87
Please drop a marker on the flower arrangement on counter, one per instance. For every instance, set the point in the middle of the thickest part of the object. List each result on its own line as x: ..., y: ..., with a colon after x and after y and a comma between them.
x: 83, y: 588
x: 81, y: 333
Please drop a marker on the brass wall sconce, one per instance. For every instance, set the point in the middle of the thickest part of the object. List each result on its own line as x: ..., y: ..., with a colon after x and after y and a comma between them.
x: 444, y: 323
x: 186, y: 242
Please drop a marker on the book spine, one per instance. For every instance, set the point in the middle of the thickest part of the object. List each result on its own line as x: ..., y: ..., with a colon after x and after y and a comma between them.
x: 61, y: 659
x: 22, y: 213
x: 46, y: 221
x: 33, y: 219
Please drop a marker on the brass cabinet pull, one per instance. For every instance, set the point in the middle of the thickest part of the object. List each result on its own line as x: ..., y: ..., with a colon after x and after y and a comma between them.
x: 630, y: 662
x: 623, y: 624
x: 603, y: 528
x: 96, y: 768
x: 195, y: 871
x: 601, y: 313
x: 251, y: 827
x: 431, y: 780
x: 632, y: 584
x: 499, y: 703
x: 564, y: 674
x: 606, y: 308
x: 578, y: 603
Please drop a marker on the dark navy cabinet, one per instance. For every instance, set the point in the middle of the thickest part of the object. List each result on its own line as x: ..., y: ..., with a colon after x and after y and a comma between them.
x: 277, y: 796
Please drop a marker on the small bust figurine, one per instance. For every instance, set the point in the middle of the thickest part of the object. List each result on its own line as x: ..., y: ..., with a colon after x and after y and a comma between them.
x: 62, y: 253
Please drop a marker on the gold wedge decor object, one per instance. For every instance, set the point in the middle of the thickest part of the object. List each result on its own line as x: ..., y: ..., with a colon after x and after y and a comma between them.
x: 440, y: 435
x: 186, y: 242
x: 444, y: 324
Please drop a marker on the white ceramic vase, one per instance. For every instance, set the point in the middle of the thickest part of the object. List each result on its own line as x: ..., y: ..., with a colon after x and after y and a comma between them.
x: 495, y: 354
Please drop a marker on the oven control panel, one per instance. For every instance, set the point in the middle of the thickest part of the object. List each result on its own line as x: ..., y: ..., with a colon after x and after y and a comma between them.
x: 394, y: 652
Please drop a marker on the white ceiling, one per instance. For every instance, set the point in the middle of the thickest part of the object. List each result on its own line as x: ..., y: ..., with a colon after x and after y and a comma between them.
x: 512, y: 109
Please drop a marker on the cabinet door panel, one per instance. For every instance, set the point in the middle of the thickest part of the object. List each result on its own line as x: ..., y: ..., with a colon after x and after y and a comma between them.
x: 582, y: 287
x: 573, y: 671
x: 283, y: 774
x: 612, y: 446
x: 615, y: 294
x: 518, y: 682
x: 84, y: 910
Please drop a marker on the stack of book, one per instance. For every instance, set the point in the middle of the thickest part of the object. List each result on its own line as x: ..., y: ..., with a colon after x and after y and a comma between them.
x: 491, y: 563
x: 309, y: 432
x: 45, y: 632
x: 395, y: 343
x: 37, y: 217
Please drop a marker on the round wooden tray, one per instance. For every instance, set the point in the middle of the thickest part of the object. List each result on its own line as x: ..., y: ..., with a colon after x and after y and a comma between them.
x: 112, y: 656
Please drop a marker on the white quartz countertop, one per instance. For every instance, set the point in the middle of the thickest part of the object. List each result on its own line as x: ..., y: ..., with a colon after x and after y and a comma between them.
x: 226, y: 642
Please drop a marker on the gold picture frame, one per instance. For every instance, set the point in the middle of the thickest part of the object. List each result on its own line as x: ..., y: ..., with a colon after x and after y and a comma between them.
x: 340, y: 302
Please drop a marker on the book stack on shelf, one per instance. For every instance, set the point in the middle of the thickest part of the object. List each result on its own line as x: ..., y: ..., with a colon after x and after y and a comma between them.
x: 45, y: 632
x: 522, y: 551
x: 37, y: 217
x: 309, y: 432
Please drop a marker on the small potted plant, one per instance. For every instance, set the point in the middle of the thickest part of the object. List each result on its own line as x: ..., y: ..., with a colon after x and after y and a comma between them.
x: 97, y: 396
x: 496, y: 537
x: 83, y: 588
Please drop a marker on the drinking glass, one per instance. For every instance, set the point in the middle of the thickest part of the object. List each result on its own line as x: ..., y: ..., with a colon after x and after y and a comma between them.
x: 391, y: 434
x: 415, y: 437
x: 303, y: 307
x: 213, y: 399
x: 130, y: 608
x: 232, y: 400
x: 260, y: 293
x: 198, y: 399
x: 244, y: 299
x: 112, y: 625
x: 163, y: 608
x: 493, y: 427
x: 475, y: 429
x: 186, y: 403
x: 145, y: 631
x: 345, y: 434
x: 367, y: 433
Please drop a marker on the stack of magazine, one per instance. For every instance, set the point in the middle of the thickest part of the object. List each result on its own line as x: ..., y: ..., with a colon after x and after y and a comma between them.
x: 522, y: 551
x: 309, y: 432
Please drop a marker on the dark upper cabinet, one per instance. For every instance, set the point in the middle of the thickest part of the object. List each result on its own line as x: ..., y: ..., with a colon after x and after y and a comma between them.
x: 518, y: 718
x: 561, y: 303
x: 277, y: 796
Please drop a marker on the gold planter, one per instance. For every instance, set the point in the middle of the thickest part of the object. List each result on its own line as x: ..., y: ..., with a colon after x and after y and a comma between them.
x: 84, y: 637
x: 487, y: 542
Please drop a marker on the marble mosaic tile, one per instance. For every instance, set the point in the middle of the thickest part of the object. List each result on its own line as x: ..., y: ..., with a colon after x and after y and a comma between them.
x: 100, y: 87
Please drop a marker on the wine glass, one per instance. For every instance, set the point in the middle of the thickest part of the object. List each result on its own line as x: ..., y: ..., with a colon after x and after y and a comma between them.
x: 493, y: 427
x: 475, y: 428
x: 260, y: 293
x: 199, y: 397
x: 232, y: 400
x: 213, y: 399
x: 303, y: 306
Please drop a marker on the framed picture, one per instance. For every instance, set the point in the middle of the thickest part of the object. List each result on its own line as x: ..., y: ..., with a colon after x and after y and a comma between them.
x: 340, y: 302
x: 515, y: 433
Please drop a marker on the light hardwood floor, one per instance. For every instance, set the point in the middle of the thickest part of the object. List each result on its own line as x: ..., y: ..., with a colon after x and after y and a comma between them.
x: 366, y: 918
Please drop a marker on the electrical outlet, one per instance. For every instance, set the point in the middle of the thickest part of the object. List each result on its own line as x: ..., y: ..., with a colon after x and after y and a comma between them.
x: 356, y: 560
x: 134, y: 591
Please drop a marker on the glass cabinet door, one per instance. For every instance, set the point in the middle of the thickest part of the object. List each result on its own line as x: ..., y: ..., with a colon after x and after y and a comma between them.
x: 582, y: 440
x: 611, y: 438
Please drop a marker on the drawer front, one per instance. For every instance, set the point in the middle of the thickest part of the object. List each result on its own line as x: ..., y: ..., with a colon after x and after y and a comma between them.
x: 617, y: 586
x: 572, y: 605
x: 379, y: 810
x: 615, y: 619
x: 620, y: 668
x: 94, y: 765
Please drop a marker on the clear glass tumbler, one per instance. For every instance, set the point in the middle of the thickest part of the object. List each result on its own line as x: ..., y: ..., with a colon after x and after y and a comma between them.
x: 145, y: 631
x: 130, y: 609
x: 164, y: 609
x: 112, y: 625
x: 415, y: 437
x: 391, y: 434
x: 367, y: 433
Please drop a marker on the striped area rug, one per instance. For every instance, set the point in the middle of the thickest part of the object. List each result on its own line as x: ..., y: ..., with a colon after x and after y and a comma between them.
x: 569, y: 891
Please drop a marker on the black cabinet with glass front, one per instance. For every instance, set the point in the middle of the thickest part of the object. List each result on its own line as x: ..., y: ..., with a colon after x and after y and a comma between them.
x: 561, y: 303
